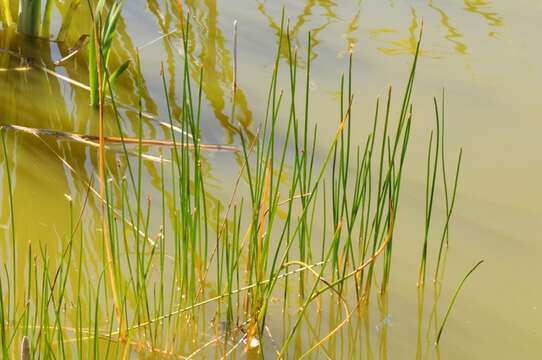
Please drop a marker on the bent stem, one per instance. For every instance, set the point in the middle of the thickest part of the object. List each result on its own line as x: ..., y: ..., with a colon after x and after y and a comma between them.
x: 454, y: 298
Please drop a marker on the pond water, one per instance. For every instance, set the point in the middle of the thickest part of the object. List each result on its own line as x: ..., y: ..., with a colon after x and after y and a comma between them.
x: 485, y: 54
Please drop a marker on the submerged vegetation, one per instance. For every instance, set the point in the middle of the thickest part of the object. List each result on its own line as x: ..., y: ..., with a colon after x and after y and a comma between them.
x: 185, y: 276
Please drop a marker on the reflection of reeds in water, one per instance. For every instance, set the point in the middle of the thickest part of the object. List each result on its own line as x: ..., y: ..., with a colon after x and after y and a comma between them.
x: 453, y: 35
x: 217, y: 61
x: 352, y: 28
x: 299, y: 25
x: 406, y: 45
x: 27, y: 160
x: 165, y: 271
x: 207, y: 46
x: 483, y: 8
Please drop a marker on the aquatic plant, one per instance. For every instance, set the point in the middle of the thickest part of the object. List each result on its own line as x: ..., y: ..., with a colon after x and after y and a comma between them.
x: 152, y: 288
x: 29, y: 20
x: 100, y: 44
x: 454, y: 298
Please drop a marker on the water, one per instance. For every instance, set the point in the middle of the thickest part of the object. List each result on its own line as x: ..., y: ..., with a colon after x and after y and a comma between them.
x: 484, y: 53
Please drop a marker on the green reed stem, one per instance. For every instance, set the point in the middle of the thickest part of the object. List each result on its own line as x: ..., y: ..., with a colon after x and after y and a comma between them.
x: 12, y: 218
x: 454, y: 298
x: 29, y: 21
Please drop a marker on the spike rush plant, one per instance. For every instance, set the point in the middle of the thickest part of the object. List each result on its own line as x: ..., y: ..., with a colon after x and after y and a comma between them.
x: 304, y: 226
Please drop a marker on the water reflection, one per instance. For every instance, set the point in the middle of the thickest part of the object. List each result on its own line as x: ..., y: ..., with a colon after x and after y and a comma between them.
x: 405, y: 45
x: 483, y: 8
x: 350, y: 34
x: 453, y: 35
x: 62, y: 106
x: 208, y: 49
x: 301, y: 24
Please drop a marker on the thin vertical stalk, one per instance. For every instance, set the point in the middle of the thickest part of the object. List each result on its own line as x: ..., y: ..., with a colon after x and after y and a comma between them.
x: 29, y: 17
x: 12, y: 220
x: 101, y: 158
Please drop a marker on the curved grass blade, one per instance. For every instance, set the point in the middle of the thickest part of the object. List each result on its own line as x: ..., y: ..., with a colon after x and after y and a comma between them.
x: 454, y: 298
